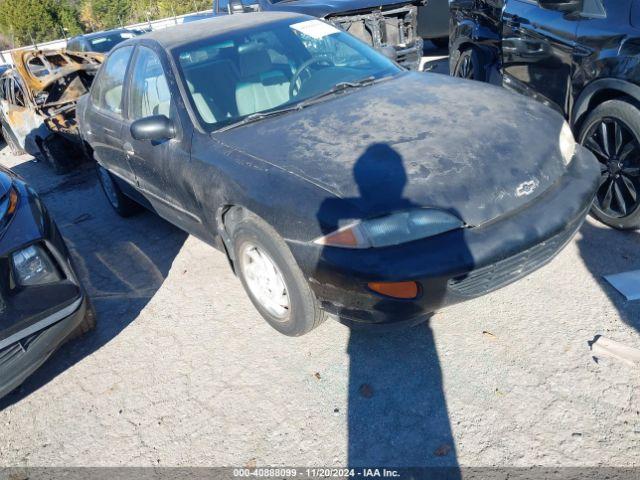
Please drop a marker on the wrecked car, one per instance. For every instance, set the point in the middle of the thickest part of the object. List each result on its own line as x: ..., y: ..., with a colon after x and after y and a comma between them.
x: 38, y: 102
x: 42, y: 303
x: 390, y: 26
x: 338, y: 183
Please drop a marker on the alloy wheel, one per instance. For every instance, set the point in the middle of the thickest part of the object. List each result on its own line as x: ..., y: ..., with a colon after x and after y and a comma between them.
x: 618, y: 151
x: 265, y: 281
x: 465, y: 69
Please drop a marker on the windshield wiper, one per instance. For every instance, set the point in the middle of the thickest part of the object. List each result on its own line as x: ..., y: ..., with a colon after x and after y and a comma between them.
x: 254, y: 117
x: 337, y: 88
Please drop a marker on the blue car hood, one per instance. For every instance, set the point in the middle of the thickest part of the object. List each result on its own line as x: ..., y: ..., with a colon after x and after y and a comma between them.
x: 418, y: 139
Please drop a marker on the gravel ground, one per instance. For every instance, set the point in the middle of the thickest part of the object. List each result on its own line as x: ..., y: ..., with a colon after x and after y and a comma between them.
x: 181, y: 369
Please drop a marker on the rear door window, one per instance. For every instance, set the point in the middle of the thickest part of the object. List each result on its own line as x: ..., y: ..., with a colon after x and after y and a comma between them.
x: 107, y: 92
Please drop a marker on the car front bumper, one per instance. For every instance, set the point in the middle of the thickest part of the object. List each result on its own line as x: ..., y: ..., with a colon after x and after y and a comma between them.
x: 34, y: 320
x: 23, y: 357
x: 455, y: 266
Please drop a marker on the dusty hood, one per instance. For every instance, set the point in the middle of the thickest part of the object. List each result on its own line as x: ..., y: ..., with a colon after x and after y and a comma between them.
x: 419, y: 139
x: 334, y: 7
x: 53, y: 77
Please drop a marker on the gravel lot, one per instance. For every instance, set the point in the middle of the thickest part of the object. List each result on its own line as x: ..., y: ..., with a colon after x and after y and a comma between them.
x: 181, y: 370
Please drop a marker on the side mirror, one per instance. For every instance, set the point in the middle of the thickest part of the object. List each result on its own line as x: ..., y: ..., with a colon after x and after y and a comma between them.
x: 562, y: 5
x: 389, y: 52
x: 157, y: 127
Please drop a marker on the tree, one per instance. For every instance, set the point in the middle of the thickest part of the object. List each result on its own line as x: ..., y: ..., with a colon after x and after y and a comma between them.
x: 23, y: 22
x: 27, y: 21
x: 111, y: 13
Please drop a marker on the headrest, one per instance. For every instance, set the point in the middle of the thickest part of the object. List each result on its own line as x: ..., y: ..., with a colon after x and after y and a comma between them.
x: 253, y: 59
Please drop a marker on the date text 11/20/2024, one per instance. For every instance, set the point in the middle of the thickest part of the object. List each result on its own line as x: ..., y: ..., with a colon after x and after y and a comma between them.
x: 317, y: 472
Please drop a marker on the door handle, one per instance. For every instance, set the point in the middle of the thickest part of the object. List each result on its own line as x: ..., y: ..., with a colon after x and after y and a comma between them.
x: 128, y: 149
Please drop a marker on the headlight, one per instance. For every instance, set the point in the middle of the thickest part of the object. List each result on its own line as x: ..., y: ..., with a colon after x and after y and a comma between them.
x: 567, y: 144
x: 33, y: 266
x: 394, y: 229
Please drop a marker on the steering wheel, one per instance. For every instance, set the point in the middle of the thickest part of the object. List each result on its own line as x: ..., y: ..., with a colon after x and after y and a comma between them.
x: 293, y: 87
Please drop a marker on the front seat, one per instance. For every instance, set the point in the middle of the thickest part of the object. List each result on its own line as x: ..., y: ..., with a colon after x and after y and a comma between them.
x: 262, y: 85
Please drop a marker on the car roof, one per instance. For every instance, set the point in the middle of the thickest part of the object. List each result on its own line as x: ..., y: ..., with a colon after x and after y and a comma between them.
x: 187, y: 33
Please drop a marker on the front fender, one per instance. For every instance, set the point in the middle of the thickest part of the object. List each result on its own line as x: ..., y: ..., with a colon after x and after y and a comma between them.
x: 593, y: 89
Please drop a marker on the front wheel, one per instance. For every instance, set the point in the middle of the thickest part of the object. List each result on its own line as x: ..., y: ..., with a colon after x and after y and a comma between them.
x: 470, y: 65
x: 271, y: 277
x: 612, y: 133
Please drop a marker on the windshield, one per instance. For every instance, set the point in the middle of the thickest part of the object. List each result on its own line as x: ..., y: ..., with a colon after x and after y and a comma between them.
x: 106, y: 43
x: 280, y: 64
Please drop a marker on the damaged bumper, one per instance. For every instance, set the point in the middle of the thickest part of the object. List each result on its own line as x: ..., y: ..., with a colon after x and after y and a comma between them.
x: 35, y: 318
x: 395, y: 28
x: 20, y: 359
x: 455, y: 266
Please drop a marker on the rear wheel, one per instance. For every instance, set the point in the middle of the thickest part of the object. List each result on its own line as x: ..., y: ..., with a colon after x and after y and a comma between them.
x: 271, y: 277
x: 470, y: 65
x: 123, y: 205
x: 612, y: 132
x: 57, y: 153
x: 12, y: 142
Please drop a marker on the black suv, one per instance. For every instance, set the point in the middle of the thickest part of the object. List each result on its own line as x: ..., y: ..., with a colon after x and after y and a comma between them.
x: 581, y: 57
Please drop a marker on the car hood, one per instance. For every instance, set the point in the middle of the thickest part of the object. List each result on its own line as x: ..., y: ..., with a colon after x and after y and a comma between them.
x: 423, y: 140
x: 334, y: 7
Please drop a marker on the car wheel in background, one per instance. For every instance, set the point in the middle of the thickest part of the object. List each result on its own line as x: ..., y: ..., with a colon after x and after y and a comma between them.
x: 88, y: 322
x: 57, y: 153
x: 271, y: 277
x: 123, y: 205
x: 470, y: 65
x: 612, y: 132
x: 12, y: 143
x: 442, y: 43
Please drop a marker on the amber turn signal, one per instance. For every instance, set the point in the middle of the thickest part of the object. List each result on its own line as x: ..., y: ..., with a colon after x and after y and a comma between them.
x: 404, y: 290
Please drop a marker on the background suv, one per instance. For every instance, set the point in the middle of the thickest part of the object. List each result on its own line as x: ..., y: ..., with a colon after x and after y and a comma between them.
x: 580, y: 57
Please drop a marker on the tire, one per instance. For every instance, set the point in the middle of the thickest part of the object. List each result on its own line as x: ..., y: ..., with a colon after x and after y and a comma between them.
x: 57, y: 153
x: 123, y: 205
x: 470, y: 65
x: 12, y: 142
x: 441, y: 43
x: 88, y: 322
x: 618, y: 122
x: 253, y: 238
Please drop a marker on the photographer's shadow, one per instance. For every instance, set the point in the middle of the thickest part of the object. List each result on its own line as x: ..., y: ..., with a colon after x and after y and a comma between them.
x: 397, y: 412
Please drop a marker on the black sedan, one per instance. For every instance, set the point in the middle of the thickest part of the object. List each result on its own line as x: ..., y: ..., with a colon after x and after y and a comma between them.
x: 336, y: 182
x: 41, y: 301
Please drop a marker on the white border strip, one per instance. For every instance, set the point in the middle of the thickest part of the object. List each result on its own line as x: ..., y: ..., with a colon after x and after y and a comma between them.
x: 45, y: 322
